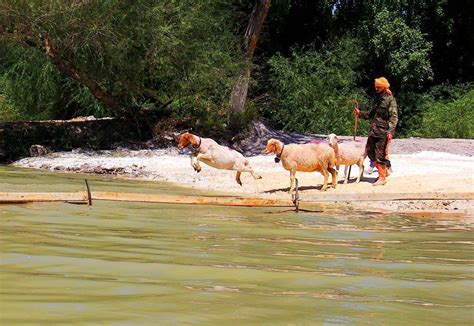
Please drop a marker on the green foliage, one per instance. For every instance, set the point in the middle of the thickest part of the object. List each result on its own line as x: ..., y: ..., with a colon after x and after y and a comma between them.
x: 145, y: 53
x: 402, y: 50
x: 142, y: 53
x: 7, y: 111
x: 409, y: 111
x: 311, y: 89
x: 37, y: 90
x: 447, y: 112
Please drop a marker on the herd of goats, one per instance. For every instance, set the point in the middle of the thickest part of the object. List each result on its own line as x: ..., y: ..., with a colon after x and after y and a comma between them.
x: 324, y: 157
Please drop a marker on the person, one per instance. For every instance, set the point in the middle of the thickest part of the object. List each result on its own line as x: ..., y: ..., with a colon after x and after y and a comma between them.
x: 371, y: 167
x: 383, y: 121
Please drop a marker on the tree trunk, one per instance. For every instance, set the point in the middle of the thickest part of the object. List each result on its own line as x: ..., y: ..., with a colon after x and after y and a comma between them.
x: 252, y: 34
x: 69, y: 69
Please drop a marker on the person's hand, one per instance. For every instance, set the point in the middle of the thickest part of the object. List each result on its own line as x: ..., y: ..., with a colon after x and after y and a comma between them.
x: 356, y: 112
x: 389, y: 136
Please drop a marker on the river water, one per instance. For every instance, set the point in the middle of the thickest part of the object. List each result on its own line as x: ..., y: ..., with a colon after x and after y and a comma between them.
x: 152, y: 264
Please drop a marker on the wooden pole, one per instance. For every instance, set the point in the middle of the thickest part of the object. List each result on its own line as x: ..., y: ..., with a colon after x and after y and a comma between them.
x: 356, y: 122
x: 89, y: 197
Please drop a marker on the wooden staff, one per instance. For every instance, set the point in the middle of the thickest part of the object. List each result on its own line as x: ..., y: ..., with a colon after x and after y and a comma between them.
x: 356, y: 122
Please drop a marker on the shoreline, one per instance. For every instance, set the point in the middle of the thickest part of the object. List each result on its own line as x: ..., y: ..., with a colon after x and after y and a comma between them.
x: 416, y: 175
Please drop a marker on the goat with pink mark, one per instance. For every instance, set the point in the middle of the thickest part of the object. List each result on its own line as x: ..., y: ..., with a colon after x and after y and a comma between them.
x: 348, y: 154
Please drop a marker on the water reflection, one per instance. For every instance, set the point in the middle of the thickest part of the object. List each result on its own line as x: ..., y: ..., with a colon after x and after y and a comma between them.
x: 132, y: 263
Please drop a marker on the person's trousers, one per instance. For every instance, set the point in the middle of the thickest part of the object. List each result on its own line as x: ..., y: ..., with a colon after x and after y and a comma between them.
x: 376, y: 150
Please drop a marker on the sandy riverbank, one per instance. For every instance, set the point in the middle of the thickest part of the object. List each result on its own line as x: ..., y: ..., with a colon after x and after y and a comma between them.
x: 425, y: 172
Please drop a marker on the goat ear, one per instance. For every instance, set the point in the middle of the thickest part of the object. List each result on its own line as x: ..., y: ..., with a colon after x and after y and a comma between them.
x: 268, y: 147
x: 179, y: 134
x: 176, y: 136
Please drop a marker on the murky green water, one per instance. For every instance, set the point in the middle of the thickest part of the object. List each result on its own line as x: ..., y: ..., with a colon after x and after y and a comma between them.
x: 135, y: 264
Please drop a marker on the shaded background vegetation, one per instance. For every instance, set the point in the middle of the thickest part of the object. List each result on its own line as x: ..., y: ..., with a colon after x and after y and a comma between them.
x: 182, y: 58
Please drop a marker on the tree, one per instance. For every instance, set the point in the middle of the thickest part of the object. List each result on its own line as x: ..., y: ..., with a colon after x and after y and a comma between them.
x: 38, y: 25
x: 238, y: 95
x: 401, y: 52
x: 131, y: 54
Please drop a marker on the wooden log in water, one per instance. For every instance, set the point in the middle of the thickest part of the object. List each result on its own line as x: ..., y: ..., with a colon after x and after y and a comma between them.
x: 197, y: 200
x: 28, y: 197
x: 25, y: 197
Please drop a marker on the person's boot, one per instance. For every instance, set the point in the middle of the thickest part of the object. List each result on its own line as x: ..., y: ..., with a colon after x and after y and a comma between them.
x: 370, y: 169
x: 382, y: 174
x: 389, y: 168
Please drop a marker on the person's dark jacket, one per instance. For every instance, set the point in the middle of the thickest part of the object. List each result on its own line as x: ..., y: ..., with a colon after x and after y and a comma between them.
x: 383, y: 116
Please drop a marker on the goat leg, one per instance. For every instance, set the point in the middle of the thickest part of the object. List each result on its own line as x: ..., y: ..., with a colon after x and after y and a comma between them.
x: 333, y: 177
x: 247, y: 168
x: 346, y: 174
x: 206, y: 157
x: 292, y: 180
x: 195, y: 163
x: 237, y: 178
x: 361, y: 171
x: 326, y: 177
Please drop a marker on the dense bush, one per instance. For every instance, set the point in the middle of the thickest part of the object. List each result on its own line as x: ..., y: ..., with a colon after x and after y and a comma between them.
x: 36, y: 89
x: 447, y: 112
x: 311, y: 89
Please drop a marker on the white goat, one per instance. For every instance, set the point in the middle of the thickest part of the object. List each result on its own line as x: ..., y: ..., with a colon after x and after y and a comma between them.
x: 348, y: 154
x: 208, y: 151
x: 306, y: 158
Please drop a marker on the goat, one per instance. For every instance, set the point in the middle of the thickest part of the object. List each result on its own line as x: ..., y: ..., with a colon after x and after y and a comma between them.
x: 211, y: 153
x: 348, y: 154
x: 305, y: 158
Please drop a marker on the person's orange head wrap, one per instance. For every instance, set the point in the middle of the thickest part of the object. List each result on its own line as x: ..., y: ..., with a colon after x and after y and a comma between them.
x: 383, y: 83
